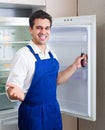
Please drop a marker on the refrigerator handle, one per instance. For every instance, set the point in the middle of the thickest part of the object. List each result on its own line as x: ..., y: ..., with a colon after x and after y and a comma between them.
x: 83, y: 60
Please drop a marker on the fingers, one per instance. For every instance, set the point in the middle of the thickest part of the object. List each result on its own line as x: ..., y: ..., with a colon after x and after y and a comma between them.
x: 18, y: 97
x: 84, y: 60
x: 81, y: 61
x: 15, y: 96
x: 15, y: 93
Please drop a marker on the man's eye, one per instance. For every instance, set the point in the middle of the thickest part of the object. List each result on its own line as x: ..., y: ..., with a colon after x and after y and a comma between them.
x: 41, y: 28
x: 38, y: 27
x: 47, y: 28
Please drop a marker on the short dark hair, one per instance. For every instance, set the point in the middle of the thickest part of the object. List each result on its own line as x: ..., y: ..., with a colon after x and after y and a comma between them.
x: 39, y: 14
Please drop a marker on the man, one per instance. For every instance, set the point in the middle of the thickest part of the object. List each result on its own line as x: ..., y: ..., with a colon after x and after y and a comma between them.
x: 35, y: 71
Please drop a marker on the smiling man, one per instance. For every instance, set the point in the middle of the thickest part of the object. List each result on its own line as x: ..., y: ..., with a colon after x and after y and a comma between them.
x: 34, y: 77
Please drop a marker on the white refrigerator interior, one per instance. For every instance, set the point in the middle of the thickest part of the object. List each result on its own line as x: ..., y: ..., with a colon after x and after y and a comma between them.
x: 69, y: 38
x: 14, y: 34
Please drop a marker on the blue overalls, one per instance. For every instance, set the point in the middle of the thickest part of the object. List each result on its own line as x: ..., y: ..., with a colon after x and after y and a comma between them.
x: 40, y: 109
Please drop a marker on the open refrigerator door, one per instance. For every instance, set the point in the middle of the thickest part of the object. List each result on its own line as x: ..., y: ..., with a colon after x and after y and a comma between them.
x: 71, y: 37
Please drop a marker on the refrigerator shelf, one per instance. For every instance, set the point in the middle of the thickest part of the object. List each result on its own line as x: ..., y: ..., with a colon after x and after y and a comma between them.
x: 2, y: 89
x: 14, y: 42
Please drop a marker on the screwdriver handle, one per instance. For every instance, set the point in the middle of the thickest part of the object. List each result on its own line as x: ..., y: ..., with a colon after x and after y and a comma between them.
x: 83, y: 60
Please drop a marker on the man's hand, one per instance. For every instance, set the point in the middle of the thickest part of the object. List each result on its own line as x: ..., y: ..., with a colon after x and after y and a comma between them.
x: 15, y: 92
x: 81, y: 61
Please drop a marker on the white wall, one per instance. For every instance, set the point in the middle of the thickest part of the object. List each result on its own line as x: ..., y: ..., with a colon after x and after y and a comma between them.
x: 86, y: 7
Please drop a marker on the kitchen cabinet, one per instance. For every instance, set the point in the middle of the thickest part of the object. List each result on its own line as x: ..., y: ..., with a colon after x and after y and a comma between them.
x: 20, y: 8
x: 31, y: 2
x: 61, y: 8
x: 35, y: 2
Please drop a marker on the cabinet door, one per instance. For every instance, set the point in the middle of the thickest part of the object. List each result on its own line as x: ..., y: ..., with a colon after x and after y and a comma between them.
x: 31, y: 2
x: 35, y: 2
x: 12, y: 1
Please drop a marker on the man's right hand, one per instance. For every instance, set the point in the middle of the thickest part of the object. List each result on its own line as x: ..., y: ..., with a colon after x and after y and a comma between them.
x: 15, y: 92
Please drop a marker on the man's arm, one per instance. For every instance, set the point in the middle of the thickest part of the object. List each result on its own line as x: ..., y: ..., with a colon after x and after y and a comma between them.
x: 69, y: 71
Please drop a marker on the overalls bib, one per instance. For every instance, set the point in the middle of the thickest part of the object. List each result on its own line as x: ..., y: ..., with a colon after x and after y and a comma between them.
x: 40, y: 109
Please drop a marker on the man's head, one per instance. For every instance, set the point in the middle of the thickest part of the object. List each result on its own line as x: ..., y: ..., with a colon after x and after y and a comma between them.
x: 40, y: 14
x: 40, y: 25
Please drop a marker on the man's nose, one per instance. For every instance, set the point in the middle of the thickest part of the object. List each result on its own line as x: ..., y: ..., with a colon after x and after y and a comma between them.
x: 43, y: 31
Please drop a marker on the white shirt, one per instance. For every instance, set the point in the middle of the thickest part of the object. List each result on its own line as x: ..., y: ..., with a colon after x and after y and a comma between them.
x: 23, y: 65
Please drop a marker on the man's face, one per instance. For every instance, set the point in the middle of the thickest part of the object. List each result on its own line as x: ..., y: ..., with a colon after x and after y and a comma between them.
x: 40, y: 31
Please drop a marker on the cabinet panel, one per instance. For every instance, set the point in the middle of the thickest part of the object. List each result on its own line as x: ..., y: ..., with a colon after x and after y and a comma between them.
x: 31, y: 2
x: 35, y: 2
x: 58, y: 8
x: 12, y: 1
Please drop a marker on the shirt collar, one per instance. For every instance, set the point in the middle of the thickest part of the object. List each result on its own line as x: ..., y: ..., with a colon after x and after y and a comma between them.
x: 36, y: 49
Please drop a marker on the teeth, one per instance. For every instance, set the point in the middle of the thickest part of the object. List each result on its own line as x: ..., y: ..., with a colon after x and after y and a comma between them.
x: 42, y: 37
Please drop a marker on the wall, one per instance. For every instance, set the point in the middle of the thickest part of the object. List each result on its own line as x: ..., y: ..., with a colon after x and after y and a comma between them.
x: 60, y: 8
x: 86, y: 7
x: 69, y: 122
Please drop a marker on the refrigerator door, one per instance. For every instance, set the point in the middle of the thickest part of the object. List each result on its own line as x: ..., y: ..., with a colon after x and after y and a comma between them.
x: 71, y: 36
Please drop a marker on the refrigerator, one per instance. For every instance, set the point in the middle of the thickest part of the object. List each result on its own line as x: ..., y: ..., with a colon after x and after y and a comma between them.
x: 70, y: 37
x: 14, y: 34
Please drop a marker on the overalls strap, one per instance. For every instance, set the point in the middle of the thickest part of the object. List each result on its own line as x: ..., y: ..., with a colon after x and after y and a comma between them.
x: 36, y: 55
x: 51, y: 56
